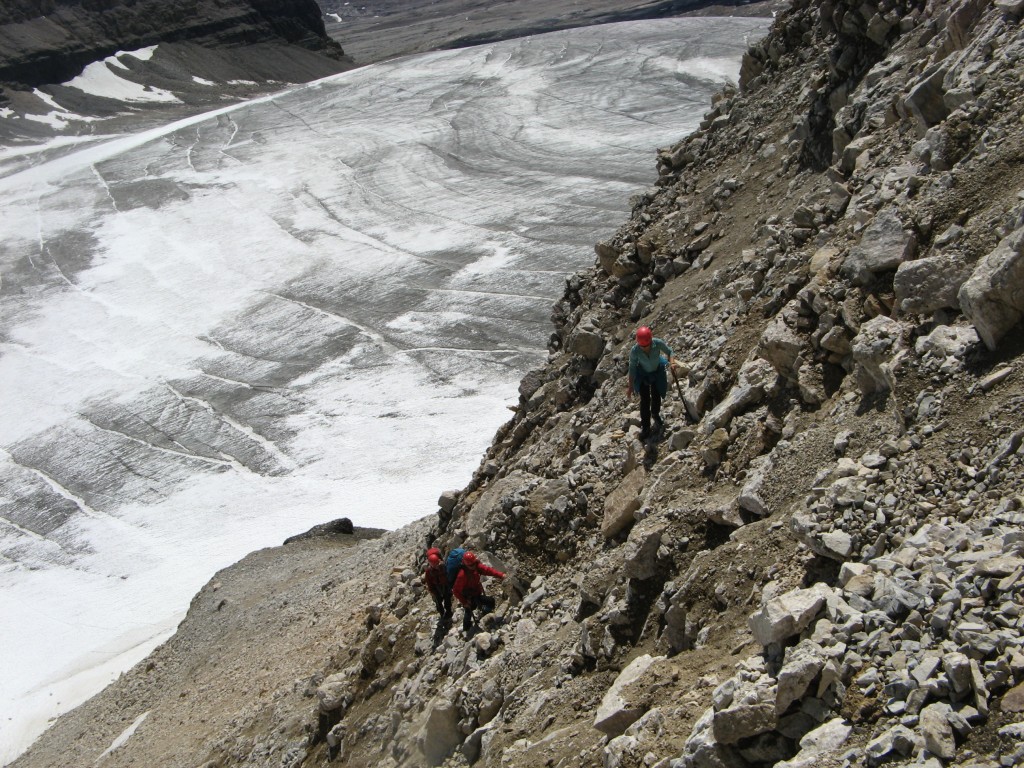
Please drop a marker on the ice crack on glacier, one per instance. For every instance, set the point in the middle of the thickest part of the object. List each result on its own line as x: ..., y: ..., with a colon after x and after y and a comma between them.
x: 269, y: 446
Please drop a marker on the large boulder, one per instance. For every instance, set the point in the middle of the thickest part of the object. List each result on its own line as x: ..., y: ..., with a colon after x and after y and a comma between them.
x: 440, y: 734
x: 787, y: 615
x: 620, y: 708
x: 781, y: 347
x: 877, y: 349
x: 993, y: 297
x: 756, y: 379
x: 924, y: 103
x: 587, y: 343
x: 622, y: 503
x: 885, y: 245
x: 925, y: 285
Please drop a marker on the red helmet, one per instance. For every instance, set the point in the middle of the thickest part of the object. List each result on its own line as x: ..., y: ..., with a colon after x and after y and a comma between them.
x: 644, y: 336
x: 434, y: 556
x: 470, y: 559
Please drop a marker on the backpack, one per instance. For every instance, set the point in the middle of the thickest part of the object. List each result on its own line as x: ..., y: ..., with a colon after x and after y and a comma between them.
x: 453, y: 564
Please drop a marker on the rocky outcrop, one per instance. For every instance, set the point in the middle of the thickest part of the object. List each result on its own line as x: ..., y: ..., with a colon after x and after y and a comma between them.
x: 50, y: 42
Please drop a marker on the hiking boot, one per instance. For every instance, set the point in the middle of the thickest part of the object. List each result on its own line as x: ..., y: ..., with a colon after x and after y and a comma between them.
x: 645, y: 433
x: 658, y: 424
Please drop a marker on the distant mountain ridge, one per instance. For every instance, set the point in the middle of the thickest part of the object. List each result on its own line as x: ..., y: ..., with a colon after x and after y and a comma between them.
x: 51, y: 41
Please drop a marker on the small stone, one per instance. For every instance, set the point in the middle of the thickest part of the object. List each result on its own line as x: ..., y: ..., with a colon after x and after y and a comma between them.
x: 994, y: 378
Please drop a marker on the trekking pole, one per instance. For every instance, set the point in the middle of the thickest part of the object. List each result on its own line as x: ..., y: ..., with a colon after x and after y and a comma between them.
x: 679, y: 389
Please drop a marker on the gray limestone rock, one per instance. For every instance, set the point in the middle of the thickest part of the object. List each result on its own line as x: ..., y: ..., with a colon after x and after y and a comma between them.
x: 751, y: 495
x: 925, y: 285
x: 586, y: 343
x: 924, y: 102
x: 825, y: 740
x: 756, y: 379
x: 743, y: 720
x: 801, y: 665
x: 885, y: 245
x: 335, y: 692
x: 992, y: 298
x: 877, y: 349
x: 640, y: 554
x: 606, y: 256
x: 622, y: 503
x: 440, y: 734
x: 937, y: 732
x: 448, y: 500
x: 788, y: 614
x: 781, y: 347
x: 947, y: 341
x: 619, y: 708
x: 702, y: 750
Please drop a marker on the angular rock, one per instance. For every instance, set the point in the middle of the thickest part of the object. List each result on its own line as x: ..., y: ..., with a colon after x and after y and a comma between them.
x: 448, y: 500
x: 781, y: 347
x: 937, y: 732
x: 877, y: 350
x: 714, y: 450
x: 825, y: 740
x: 836, y: 340
x: 925, y: 285
x: 899, y: 741
x: 788, y: 614
x: 618, y: 710
x: 587, y: 344
x: 1013, y: 700
x: 802, y: 664
x: 992, y: 298
x: 1014, y: 8
x: 622, y: 503
x: 440, y: 734
x: 702, y: 750
x: 640, y: 555
x: 606, y: 256
x: 947, y: 341
x: 335, y: 692
x: 884, y: 245
x: 924, y: 102
x: 743, y: 720
x: 756, y: 379
x: 750, y: 497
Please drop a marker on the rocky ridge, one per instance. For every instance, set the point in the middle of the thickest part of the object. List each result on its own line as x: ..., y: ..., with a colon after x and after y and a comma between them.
x: 821, y: 562
x: 206, y: 52
x: 50, y: 42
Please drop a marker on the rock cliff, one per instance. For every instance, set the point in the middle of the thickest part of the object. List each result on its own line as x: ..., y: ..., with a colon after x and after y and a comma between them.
x: 821, y: 560
x: 51, y: 41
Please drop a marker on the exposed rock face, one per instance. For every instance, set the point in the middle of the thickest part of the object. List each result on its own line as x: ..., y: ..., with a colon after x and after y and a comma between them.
x: 826, y: 549
x: 51, y: 41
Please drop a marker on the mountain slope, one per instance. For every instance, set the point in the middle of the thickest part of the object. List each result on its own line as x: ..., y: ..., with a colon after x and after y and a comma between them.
x: 50, y: 42
x: 820, y: 563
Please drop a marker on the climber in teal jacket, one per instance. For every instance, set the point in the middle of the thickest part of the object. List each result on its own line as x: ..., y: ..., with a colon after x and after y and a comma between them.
x: 648, y: 360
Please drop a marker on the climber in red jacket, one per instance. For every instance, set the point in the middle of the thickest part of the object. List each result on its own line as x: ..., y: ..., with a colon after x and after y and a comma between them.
x: 470, y: 592
x: 436, y: 581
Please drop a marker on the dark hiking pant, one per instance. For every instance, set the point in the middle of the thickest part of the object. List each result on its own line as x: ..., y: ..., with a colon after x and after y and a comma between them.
x: 481, y: 603
x: 652, y: 387
x: 443, y: 602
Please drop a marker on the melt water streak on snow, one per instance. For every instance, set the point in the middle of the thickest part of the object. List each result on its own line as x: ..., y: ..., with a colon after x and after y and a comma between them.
x: 316, y: 304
